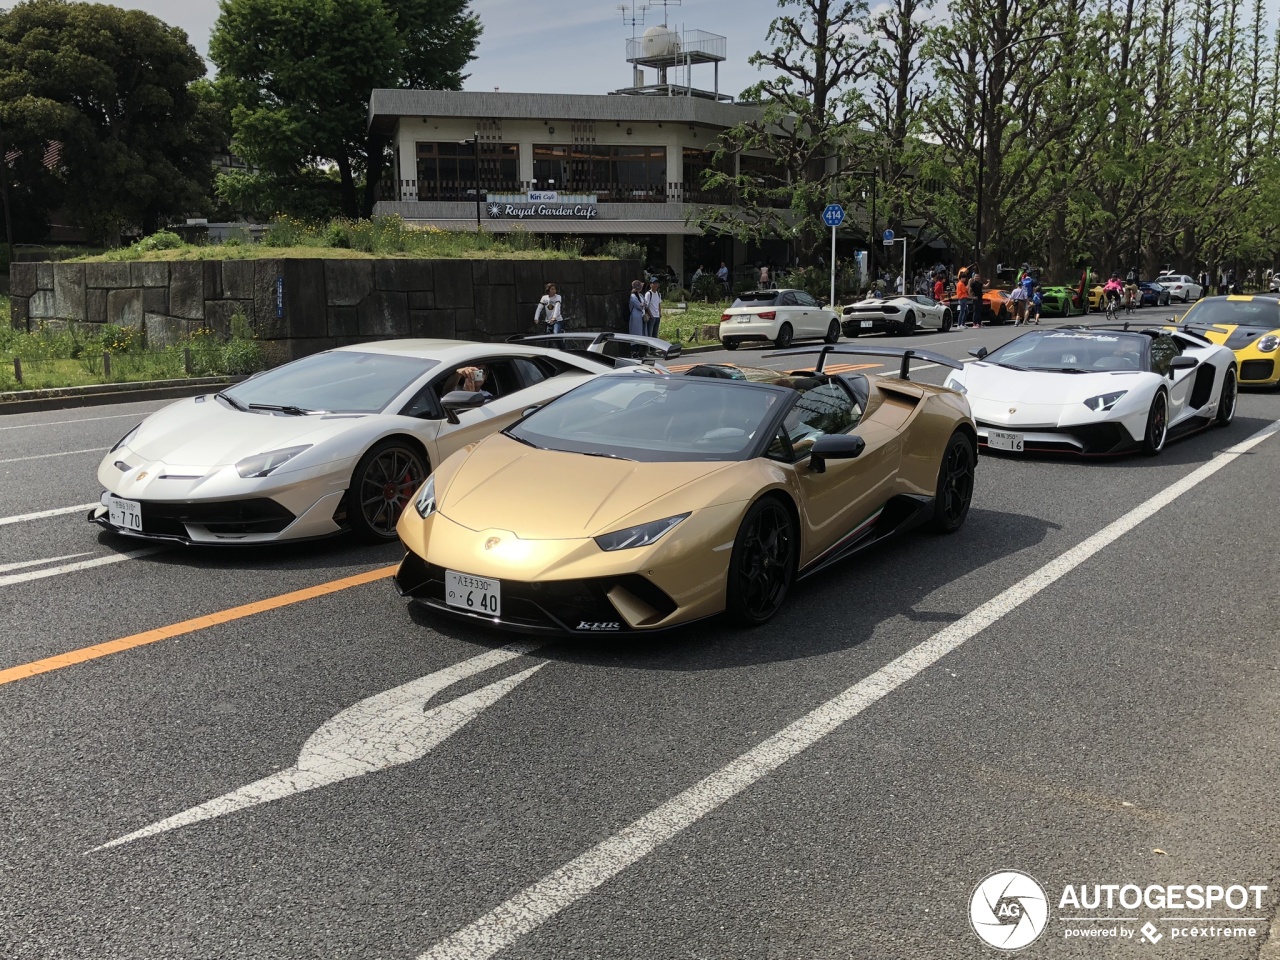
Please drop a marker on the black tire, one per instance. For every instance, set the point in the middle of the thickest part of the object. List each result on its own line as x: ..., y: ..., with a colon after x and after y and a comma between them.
x: 729, y: 344
x: 1157, y: 434
x: 1070, y: 309
x: 954, y: 491
x: 909, y: 324
x: 784, y: 337
x: 947, y: 321
x: 1227, y: 400
x: 833, y: 333
x: 763, y: 565
x: 382, y: 485
x: 852, y: 331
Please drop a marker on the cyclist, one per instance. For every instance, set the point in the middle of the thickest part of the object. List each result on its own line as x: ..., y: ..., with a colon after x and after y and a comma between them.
x: 1131, y: 289
x: 1111, y: 292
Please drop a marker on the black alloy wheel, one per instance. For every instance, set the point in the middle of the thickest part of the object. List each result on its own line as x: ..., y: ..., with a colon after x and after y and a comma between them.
x: 955, y: 484
x: 946, y: 321
x: 833, y: 332
x: 729, y: 343
x: 382, y: 485
x: 763, y: 564
x: 909, y: 324
x: 784, y: 337
x: 1157, y: 426
x: 1227, y: 401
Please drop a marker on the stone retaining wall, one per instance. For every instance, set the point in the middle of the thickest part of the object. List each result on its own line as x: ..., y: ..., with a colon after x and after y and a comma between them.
x: 298, y: 307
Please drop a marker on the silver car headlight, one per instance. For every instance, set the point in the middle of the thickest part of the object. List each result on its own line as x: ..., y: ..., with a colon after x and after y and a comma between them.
x: 641, y: 536
x: 125, y: 439
x: 425, y: 501
x: 1269, y: 343
x: 957, y: 386
x: 1104, y: 402
x: 263, y: 463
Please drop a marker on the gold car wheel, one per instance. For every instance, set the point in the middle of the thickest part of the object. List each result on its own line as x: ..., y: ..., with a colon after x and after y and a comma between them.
x: 383, y: 484
x: 763, y: 563
x: 955, y: 484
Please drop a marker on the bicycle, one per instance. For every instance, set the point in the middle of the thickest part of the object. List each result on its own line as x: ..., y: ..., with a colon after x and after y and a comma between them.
x: 1113, y: 309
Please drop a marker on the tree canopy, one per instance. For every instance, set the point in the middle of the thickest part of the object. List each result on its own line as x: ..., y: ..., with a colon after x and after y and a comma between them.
x: 297, y: 75
x: 102, y: 109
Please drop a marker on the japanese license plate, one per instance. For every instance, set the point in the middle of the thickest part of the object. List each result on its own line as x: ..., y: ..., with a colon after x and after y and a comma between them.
x: 998, y: 440
x: 477, y: 594
x: 868, y: 323
x: 124, y: 513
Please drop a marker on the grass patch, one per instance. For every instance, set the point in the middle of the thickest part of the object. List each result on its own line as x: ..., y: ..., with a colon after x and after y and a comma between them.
x: 67, y: 355
x: 681, y: 325
x: 382, y: 237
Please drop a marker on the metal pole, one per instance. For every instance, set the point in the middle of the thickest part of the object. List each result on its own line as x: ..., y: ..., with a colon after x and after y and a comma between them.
x: 905, y: 292
x: 4, y: 197
x: 833, y: 268
x: 871, y: 236
x: 477, y: 154
x: 982, y: 159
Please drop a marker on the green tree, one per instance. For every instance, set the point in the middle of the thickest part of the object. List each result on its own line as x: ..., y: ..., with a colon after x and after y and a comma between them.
x: 297, y: 75
x: 113, y: 88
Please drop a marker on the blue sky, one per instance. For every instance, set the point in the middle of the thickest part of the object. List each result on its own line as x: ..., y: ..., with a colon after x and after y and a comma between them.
x: 568, y: 46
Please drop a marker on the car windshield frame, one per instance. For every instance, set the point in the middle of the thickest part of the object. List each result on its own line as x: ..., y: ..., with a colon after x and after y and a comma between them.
x: 385, y: 377
x: 1203, y: 312
x: 573, y: 422
x: 1008, y: 355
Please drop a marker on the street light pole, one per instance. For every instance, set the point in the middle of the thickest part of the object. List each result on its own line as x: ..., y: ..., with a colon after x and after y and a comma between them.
x: 4, y: 198
x: 476, y: 148
x: 982, y: 134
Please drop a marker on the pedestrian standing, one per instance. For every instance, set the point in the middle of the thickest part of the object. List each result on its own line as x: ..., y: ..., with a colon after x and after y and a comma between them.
x: 653, y: 308
x: 635, y: 309
x: 1037, y: 301
x: 1018, y: 304
x: 550, y: 311
x: 939, y: 288
x: 975, y: 297
x: 764, y: 276
x: 962, y: 298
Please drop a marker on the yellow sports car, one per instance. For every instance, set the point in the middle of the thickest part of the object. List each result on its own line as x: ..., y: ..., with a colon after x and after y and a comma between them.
x: 641, y: 502
x: 1249, y: 325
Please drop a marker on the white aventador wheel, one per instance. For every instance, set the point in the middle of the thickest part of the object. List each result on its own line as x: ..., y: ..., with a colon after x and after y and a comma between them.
x: 1157, y: 426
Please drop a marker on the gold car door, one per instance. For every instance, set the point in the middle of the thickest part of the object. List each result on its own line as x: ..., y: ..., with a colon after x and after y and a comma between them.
x: 835, y: 502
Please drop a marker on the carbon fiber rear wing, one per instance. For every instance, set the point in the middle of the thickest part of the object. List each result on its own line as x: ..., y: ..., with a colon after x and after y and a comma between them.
x: 905, y: 354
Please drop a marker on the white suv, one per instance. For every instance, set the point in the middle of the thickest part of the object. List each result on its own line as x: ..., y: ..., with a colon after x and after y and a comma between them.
x: 777, y: 315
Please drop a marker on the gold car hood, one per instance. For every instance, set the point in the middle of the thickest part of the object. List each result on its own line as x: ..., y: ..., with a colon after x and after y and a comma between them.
x: 548, y: 495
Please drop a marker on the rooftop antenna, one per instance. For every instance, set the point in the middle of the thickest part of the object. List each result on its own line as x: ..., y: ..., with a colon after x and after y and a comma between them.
x: 664, y: 4
x: 633, y: 15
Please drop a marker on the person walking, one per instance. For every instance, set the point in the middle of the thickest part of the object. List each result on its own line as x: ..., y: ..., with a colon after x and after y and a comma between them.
x: 550, y: 311
x: 635, y: 309
x: 975, y: 297
x: 652, y: 308
x: 1018, y: 303
x: 1037, y: 301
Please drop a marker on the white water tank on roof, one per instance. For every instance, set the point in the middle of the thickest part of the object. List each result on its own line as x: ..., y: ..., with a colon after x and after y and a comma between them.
x: 660, y: 41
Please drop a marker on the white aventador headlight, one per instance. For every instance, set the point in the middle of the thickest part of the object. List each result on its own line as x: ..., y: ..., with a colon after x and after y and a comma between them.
x: 641, y: 536
x: 425, y: 501
x: 1104, y: 402
x: 263, y: 463
x: 1268, y: 343
x: 125, y: 439
x: 956, y: 385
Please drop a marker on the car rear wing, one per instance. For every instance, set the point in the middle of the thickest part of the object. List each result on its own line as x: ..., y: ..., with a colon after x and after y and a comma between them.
x: 905, y: 354
x: 1192, y: 329
x: 647, y: 348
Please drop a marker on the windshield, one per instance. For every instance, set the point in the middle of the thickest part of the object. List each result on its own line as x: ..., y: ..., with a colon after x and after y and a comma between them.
x: 341, y: 381
x: 1257, y: 312
x: 653, y: 419
x: 763, y: 298
x: 1069, y: 351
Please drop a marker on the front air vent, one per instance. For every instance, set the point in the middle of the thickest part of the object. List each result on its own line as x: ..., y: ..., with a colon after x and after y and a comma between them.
x: 121, y: 466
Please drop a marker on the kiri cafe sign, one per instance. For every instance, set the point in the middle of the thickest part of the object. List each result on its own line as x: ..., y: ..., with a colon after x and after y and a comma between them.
x: 542, y: 204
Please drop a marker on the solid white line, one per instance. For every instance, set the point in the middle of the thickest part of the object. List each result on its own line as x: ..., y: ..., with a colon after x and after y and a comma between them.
x: 56, y: 512
x: 64, y: 453
x: 540, y: 902
x: 79, y: 565
x: 6, y: 567
x: 58, y: 423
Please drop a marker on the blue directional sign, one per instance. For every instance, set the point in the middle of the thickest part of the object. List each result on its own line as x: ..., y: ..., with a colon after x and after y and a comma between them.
x: 888, y: 236
x: 833, y: 215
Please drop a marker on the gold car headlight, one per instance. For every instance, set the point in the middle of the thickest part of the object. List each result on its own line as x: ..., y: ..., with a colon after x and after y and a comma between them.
x: 425, y: 501
x: 640, y: 536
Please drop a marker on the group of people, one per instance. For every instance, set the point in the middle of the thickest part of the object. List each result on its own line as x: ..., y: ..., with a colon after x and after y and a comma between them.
x: 644, y: 309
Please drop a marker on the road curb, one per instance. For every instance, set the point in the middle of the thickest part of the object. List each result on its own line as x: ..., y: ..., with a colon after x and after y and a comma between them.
x: 62, y: 398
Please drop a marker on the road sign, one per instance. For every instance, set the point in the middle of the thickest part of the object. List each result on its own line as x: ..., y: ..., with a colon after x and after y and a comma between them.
x: 888, y: 236
x: 833, y: 215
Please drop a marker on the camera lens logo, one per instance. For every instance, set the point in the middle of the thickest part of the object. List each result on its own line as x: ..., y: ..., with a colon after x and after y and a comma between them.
x: 1008, y: 910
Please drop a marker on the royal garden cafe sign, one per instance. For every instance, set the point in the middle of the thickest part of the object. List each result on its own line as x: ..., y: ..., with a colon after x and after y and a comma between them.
x: 542, y: 204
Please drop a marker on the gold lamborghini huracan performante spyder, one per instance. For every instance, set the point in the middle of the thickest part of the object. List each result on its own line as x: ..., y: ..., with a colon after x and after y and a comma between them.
x: 639, y: 501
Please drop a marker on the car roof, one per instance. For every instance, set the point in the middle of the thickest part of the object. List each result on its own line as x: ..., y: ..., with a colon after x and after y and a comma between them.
x: 442, y: 350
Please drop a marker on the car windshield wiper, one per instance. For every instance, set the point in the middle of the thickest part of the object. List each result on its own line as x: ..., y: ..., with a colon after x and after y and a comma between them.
x: 611, y: 456
x: 1061, y: 369
x: 231, y: 400
x: 1008, y: 366
x: 283, y: 408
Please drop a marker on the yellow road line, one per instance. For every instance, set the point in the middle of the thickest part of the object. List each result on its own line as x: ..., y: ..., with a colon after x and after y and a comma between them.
x: 71, y: 658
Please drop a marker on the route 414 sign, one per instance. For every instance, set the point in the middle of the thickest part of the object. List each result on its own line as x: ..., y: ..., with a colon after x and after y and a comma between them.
x: 833, y: 215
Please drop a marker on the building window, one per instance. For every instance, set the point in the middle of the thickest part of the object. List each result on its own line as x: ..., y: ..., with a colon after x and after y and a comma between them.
x: 447, y: 171
x: 614, y: 173
x: 697, y: 162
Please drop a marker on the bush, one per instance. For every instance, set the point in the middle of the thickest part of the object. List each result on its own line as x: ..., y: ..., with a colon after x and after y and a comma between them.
x: 708, y: 289
x: 285, y: 232
x: 160, y: 240
x: 521, y: 239
x: 624, y: 250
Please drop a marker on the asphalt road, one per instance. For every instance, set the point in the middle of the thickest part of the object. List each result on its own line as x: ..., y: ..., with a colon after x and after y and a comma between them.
x: 1102, y: 712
